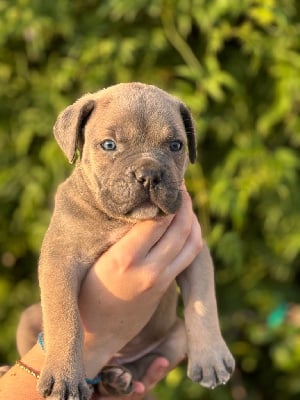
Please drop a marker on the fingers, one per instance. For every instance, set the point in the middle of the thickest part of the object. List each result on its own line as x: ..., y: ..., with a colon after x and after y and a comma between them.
x: 157, y: 242
x: 138, y: 393
x: 189, y: 251
x: 142, y: 237
x: 174, y: 238
x: 172, y: 242
x: 157, y: 370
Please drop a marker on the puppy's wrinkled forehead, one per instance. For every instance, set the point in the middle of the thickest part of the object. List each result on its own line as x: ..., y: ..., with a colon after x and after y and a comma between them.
x: 143, y: 108
x: 136, y: 97
x: 131, y: 110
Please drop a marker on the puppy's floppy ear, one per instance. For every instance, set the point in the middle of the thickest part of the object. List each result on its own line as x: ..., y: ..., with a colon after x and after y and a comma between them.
x: 190, y: 131
x: 69, y: 126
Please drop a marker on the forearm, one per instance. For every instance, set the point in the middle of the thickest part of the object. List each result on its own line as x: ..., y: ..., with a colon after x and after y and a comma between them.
x: 19, y: 384
x: 20, y: 381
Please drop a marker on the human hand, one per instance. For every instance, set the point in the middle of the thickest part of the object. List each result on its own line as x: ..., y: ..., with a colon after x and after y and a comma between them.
x: 124, y: 286
x: 157, y: 370
x: 128, y: 281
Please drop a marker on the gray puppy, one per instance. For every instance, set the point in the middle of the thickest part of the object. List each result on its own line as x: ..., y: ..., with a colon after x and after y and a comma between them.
x: 134, y: 142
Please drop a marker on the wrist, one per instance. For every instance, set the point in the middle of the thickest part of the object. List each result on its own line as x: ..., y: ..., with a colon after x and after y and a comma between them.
x: 35, y: 358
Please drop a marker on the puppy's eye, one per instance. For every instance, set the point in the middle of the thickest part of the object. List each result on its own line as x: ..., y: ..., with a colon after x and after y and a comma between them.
x: 108, y: 145
x: 176, y: 145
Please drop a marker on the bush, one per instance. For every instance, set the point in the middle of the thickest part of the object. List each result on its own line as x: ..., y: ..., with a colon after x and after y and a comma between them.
x: 236, y: 64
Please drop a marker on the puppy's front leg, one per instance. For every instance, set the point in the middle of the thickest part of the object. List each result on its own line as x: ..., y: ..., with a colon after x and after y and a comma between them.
x: 63, y: 375
x: 210, y: 362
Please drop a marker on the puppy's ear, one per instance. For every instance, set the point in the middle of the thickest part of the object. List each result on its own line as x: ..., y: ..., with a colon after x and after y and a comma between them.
x: 69, y: 126
x: 190, y: 132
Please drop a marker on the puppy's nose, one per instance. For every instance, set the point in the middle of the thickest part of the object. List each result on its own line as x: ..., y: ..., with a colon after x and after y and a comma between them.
x: 148, y: 177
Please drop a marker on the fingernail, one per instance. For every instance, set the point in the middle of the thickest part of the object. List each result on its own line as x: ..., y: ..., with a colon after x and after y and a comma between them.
x: 164, y: 363
x: 139, y: 388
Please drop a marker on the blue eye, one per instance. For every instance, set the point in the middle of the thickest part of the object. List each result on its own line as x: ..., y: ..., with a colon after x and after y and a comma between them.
x: 176, y: 145
x: 108, y: 145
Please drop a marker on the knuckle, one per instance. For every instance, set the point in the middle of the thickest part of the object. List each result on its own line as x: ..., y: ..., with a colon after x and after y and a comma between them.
x: 196, y: 243
x: 149, y: 280
x: 197, y: 238
x: 124, y: 261
x: 185, y: 230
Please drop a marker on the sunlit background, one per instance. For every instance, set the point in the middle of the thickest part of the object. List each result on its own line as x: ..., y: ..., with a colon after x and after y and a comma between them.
x: 236, y: 64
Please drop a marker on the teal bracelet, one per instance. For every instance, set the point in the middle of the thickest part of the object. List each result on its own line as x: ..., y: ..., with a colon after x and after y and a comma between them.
x: 41, y: 341
x: 93, y: 381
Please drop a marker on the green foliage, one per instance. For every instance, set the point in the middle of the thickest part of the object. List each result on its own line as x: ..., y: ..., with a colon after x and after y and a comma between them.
x: 236, y: 64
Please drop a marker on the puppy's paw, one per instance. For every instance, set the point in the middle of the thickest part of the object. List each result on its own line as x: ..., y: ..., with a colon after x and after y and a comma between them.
x: 117, y: 380
x: 56, y: 384
x: 212, y: 367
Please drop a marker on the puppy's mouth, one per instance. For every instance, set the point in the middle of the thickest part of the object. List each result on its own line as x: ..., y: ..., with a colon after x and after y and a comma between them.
x: 146, y: 210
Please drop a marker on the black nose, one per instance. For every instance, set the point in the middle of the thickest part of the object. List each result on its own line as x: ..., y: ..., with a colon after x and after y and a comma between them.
x: 148, y: 177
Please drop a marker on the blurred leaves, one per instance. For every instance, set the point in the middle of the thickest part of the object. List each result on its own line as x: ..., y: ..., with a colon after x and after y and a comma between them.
x: 236, y: 65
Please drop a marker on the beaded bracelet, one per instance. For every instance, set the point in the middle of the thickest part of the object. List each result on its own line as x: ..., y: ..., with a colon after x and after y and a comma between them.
x: 28, y: 369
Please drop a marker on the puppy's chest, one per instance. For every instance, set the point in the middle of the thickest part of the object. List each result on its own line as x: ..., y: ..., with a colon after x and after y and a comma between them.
x: 97, y: 240
x: 80, y: 235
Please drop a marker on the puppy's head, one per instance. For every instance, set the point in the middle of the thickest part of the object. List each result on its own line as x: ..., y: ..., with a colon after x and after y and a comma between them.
x: 134, y: 142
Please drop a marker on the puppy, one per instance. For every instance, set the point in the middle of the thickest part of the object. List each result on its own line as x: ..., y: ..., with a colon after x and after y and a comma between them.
x: 133, y: 143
